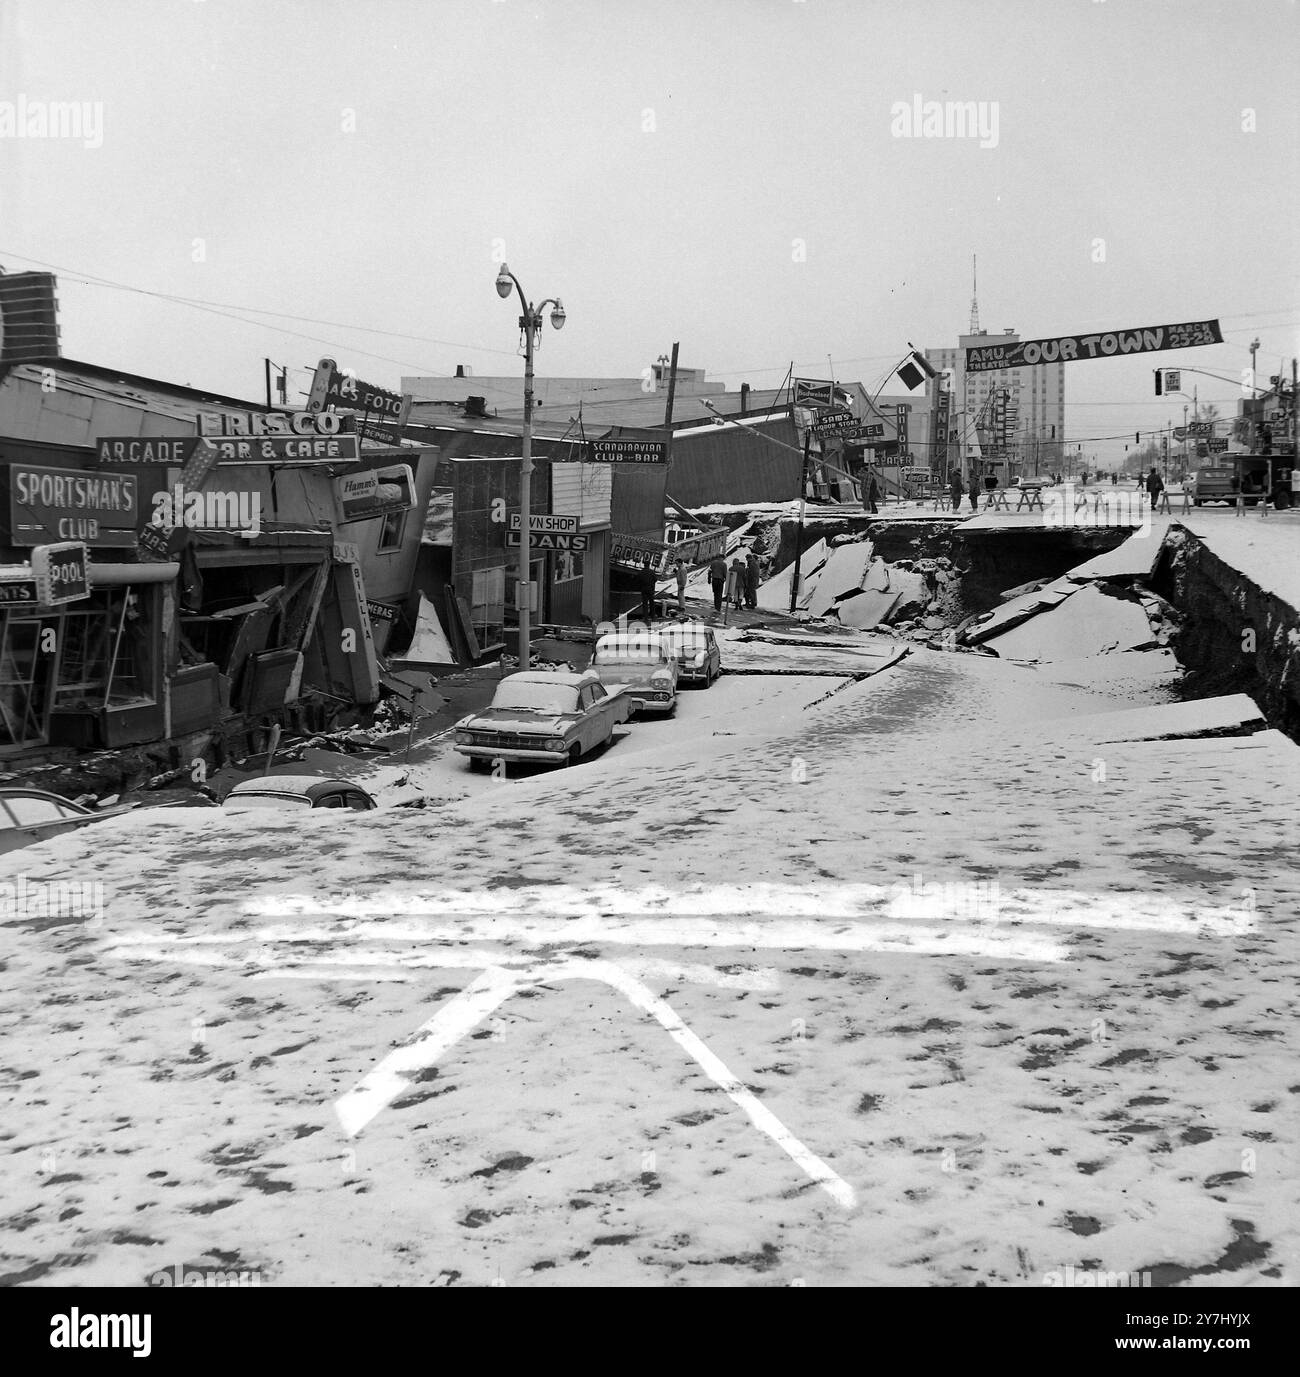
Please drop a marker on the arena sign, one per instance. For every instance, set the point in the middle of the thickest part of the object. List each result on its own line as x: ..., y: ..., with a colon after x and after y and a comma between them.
x: 988, y: 358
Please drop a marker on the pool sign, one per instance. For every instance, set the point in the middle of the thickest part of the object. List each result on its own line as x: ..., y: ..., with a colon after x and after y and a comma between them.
x: 61, y: 572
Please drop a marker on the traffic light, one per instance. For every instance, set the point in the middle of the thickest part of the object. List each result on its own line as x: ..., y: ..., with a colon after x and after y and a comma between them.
x: 1160, y: 382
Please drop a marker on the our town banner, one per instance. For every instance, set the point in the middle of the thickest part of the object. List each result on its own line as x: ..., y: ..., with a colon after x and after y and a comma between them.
x: 987, y: 358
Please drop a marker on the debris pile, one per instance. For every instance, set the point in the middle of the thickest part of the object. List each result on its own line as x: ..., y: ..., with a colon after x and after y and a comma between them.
x: 848, y: 582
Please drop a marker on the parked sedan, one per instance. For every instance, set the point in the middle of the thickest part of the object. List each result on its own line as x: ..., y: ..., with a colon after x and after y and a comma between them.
x: 549, y: 719
x: 695, y: 648
x: 28, y: 816
x: 33, y: 815
x: 643, y: 663
x: 294, y: 793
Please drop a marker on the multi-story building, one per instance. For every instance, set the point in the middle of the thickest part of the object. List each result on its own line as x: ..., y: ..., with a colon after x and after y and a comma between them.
x: 1034, y: 407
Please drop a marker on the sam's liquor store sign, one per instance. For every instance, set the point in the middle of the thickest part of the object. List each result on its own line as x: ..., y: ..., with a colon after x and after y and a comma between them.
x: 48, y: 505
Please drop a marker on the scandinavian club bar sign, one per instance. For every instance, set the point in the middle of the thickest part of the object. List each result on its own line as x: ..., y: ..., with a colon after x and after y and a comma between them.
x: 1148, y: 339
x: 627, y: 452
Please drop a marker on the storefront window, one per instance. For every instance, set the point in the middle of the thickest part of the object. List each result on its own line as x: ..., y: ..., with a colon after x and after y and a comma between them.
x: 105, y: 653
x: 26, y: 668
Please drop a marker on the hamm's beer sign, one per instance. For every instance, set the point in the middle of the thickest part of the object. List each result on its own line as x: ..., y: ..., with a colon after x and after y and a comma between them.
x: 47, y: 506
x: 987, y: 358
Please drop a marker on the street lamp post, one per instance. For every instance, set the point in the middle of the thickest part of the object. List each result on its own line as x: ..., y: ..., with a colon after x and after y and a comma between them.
x: 530, y: 324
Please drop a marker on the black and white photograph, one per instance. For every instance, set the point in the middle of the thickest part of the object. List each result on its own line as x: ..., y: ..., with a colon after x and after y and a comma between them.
x: 766, y: 536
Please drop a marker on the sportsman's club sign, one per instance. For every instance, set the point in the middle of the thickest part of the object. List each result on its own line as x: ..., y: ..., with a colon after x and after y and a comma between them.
x: 1147, y: 339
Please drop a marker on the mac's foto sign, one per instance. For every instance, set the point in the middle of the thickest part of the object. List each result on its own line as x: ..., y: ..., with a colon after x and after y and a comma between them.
x: 61, y: 572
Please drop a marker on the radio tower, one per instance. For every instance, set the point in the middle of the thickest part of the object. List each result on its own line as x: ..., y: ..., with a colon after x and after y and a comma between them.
x: 974, y: 299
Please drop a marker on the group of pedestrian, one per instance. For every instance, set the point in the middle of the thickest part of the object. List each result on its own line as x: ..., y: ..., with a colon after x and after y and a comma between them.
x: 737, y: 584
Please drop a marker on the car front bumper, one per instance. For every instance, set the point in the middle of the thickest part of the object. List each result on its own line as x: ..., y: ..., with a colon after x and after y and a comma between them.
x: 652, y: 704
x: 517, y: 753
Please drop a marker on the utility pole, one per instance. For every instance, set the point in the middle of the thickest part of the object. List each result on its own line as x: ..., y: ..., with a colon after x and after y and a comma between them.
x: 803, y: 493
x: 668, y: 459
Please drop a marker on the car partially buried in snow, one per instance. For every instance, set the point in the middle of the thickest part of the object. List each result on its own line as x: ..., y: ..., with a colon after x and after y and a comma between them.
x: 294, y: 793
x: 544, y: 718
x: 643, y: 663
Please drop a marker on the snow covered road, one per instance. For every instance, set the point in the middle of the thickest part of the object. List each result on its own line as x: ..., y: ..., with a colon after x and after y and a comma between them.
x: 1029, y: 1001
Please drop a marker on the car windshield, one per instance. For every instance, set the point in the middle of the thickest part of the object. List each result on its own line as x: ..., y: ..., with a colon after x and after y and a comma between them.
x: 686, y: 639
x: 534, y: 697
x: 285, y: 802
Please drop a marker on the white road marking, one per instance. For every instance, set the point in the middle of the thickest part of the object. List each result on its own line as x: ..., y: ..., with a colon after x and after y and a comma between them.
x: 454, y: 1019
x: 525, y: 936
x: 458, y: 1016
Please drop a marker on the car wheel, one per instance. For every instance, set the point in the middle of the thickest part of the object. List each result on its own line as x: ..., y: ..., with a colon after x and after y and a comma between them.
x: 574, y: 755
x: 477, y: 765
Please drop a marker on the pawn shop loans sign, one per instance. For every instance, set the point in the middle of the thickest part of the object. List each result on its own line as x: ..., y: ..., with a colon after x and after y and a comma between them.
x: 1147, y: 339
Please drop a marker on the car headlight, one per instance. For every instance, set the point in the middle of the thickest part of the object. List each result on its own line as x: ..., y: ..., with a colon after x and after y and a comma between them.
x: 464, y: 738
x: 555, y: 744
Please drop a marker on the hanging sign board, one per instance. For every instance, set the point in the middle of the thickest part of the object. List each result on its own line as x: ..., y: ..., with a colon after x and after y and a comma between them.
x: 61, y: 572
x: 988, y: 358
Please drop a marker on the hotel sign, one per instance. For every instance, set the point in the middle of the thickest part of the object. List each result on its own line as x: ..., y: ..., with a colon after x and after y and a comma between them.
x: 989, y: 358
x: 48, y: 505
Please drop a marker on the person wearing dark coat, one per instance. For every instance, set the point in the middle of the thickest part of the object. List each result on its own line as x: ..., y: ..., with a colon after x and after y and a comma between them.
x: 718, y: 580
x: 873, y: 494
x: 751, y: 580
x: 956, y: 489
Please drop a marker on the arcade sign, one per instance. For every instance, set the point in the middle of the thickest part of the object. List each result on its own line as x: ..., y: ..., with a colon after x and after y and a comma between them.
x: 177, y: 450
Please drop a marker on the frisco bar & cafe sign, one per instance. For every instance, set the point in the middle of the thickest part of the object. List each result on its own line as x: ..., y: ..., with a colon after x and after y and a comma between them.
x: 48, y: 505
x: 988, y: 358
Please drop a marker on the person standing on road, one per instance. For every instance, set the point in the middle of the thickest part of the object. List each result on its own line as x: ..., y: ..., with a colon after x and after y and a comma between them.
x: 1155, y: 487
x: 736, y: 586
x: 718, y: 579
x: 956, y: 489
x: 873, y: 492
x: 751, y: 579
x: 681, y: 585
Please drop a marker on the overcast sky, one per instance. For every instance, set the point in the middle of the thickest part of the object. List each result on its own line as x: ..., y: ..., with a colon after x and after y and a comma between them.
x: 336, y: 178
